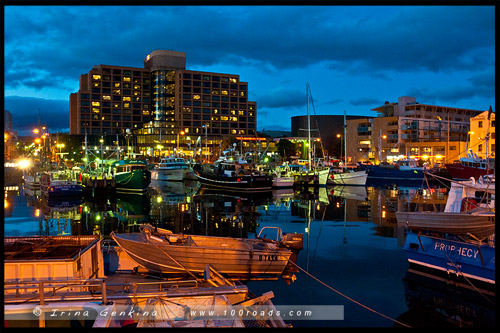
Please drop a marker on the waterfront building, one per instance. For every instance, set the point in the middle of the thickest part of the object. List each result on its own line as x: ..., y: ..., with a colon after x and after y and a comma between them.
x: 164, y: 105
x: 480, y: 126
x: 431, y: 133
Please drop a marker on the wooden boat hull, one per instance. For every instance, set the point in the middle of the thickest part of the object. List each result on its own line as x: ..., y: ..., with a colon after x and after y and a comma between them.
x: 357, y: 178
x: 283, y: 181
x: 473, y: 261
x: 234, y: 257
x: 479, y: 225
x: 239, y: 183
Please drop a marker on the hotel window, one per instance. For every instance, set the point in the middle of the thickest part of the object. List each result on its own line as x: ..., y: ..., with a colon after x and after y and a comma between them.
x: 96, y: 110
x: 196, y: 96
x: 106, y: 97
x: 96, y: 103
x: 117, y: 91
x: 126, y: 79
x: 117, y: 84
x: 126, y: 99
x: 96, y: 77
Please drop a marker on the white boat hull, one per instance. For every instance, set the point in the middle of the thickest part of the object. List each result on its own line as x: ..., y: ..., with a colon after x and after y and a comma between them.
x: 170, y: 175
x: 283, y: 181
x: 348, y: 178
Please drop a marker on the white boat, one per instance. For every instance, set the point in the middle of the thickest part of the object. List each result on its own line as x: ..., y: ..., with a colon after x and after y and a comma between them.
x: 283, y: 177
x: 170, y: 169
x: 462, y: 215
x: 346, y: 177
x: 32, y: 179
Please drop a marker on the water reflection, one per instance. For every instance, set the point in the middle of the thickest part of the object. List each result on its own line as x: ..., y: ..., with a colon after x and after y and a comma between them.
x: 351, y: 240
x: 186, y: 207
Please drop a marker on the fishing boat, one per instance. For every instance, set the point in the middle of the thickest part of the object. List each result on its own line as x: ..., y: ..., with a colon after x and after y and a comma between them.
x: 464, y: 213
x: 31, y: 179
x: 282, y: 176
x: 404, y: 169
x: 170, y: 169
x: 467, y: 258
x: 233, y: 174
x: 471, y: 166
x: 131, y: 175
x: 55, y: 185
x: 159, y: 250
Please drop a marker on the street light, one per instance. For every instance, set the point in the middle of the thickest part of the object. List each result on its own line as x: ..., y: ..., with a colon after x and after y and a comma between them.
x: 179, y: 133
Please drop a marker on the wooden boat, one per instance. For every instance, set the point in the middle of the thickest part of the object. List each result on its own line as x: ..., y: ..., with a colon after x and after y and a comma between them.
x: 478, y: 223
x: 131, y: 175
x: 462, y: 214
x: 233, y: 174
x: 159, y: 250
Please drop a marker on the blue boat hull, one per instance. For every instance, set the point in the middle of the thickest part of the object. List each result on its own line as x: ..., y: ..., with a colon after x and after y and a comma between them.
x: 392, y: 173
x: 472, y: 261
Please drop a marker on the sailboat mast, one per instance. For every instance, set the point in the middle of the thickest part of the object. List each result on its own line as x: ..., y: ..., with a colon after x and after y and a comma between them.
x: 345, y: 142
x: 308, y: 128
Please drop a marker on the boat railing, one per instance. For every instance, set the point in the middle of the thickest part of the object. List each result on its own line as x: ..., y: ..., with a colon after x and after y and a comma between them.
x: 45, y: 291
x: 279, y: 234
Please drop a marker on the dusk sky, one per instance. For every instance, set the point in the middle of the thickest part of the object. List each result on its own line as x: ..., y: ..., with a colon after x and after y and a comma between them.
x: 354, y: 57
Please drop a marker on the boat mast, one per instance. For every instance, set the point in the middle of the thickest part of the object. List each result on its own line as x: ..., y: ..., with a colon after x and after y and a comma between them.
x: 345, y: 143
x: 308, y: 128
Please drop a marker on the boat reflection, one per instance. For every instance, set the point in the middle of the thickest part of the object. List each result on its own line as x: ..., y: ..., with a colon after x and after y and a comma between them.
x: 435, y: 302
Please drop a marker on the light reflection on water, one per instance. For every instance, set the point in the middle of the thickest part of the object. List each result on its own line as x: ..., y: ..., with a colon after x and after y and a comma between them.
x: 351, y: 239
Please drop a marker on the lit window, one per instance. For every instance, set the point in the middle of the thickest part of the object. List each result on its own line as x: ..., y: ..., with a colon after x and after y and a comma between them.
x: 97, y: 84
x: 224, y: 118
x: 106, y: 97
x: 96, y: 103
x: 233, y: 131
x: 126, y: 105
x: 136, y: 86
x: 117, y: 91
x: 224, y: 92
x: 232, y: 80
x: 96, y: 110
x: 117, y: 84
x: 196, y: 97
x: 126, y: 79
x: 234, y: 118
x: 96, y: 77
x: 126, y: 99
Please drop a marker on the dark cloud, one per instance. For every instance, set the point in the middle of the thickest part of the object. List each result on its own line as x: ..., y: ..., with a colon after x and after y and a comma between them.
x: 365, y: 101
x: 66, y: 41
x: 25, y: 112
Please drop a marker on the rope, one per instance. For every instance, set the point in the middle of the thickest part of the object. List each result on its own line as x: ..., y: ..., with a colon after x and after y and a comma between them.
x: 350, y: 299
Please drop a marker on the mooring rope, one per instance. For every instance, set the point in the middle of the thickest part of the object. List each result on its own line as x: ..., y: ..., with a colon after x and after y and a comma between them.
x: 345, y: 296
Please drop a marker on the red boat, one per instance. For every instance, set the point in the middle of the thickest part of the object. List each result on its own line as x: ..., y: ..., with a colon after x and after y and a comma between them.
x: 468, y: 167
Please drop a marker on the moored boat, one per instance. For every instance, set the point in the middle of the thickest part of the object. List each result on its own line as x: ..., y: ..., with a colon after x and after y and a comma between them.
x: 170, y: 169
x: 470, y: 259
x: 471, y: 166
x: 159, y: 250
x: 57, y: 185
x: 344, y: 177
x: 462, y: 215
x: 406, y: 170
x: 131, y: 175
x: 233, y: 174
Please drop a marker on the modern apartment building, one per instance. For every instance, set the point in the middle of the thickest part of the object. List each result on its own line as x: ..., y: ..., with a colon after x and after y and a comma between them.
x: 432, y: 133
x: 163, y: 104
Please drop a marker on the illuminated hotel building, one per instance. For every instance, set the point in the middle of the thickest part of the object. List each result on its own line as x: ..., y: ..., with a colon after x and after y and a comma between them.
x: 165, y: 105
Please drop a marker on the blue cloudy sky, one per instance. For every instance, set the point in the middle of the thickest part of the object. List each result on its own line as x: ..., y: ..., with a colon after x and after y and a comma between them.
x: 354, y: 57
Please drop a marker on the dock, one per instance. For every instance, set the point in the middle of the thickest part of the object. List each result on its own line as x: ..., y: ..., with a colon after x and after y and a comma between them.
x: 125, y: 296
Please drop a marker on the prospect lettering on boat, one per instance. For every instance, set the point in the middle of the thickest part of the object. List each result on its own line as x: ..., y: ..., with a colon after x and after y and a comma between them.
x: 461, y: 250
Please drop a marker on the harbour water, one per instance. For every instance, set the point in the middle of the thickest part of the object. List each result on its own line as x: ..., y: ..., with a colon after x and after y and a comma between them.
x: 352, y: 252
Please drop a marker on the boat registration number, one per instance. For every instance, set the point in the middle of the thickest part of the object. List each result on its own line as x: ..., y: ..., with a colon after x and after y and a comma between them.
x: 268, y: 257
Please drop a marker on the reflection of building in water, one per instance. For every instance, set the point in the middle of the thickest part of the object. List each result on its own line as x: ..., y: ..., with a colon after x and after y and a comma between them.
x: 8, y: 204
x: 385, y: 202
